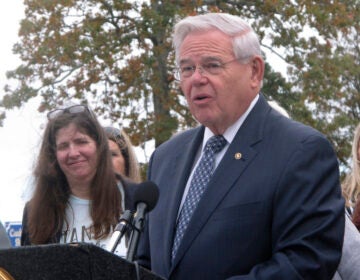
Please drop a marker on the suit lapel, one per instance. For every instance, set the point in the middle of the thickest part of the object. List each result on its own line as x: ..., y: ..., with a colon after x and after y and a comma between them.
x: 245, y: 141
x: 183, y: 161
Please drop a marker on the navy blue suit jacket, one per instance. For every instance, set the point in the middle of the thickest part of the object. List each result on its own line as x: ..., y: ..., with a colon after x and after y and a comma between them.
x: 275, y: 213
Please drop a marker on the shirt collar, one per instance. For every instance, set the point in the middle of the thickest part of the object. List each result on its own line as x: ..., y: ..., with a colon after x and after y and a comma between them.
x: 231, y: 131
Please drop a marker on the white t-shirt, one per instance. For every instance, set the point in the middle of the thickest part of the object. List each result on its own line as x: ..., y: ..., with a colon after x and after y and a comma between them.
x: 78, y: 216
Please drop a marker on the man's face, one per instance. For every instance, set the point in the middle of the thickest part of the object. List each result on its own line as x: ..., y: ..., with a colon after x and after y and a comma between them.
x: 216, y: 101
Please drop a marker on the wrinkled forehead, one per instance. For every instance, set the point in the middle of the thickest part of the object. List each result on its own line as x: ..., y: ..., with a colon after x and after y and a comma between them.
x: 213, y: 44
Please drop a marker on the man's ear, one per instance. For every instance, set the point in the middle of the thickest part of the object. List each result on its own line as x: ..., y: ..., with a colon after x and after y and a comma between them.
x: 257, y: 65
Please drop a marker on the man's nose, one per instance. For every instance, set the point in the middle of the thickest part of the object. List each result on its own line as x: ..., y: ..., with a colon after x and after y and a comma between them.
x: 198, y: 74
x: 198, y: 69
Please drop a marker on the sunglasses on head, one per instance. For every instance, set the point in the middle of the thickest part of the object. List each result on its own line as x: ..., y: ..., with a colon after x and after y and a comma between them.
x: 112, y: 131
x: 115, y: 135
x: 75, y: 109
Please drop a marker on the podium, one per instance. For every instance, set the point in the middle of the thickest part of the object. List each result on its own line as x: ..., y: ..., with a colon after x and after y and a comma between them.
x: 69, y: 261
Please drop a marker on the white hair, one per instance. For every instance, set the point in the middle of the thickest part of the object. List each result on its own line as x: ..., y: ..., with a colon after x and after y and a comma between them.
x: 278, y: 108
x: 245, y: 41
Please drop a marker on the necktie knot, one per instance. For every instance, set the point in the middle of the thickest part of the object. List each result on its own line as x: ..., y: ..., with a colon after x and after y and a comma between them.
x: 215, y: 144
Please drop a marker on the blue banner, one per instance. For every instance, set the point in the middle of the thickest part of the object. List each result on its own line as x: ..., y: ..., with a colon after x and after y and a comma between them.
x: 13, y: 229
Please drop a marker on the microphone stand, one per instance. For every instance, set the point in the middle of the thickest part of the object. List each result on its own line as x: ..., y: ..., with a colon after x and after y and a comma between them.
x: 121, y: 228
x: 137, y: 228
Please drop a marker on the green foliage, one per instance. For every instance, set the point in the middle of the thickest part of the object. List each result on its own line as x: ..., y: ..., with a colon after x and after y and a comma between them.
x: 117, y: 56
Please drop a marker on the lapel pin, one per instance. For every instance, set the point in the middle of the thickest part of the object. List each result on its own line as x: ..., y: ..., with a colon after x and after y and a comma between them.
x: 238, y: 156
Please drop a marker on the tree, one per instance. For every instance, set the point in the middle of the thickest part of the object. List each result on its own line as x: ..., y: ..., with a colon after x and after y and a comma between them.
x: 118, y: 55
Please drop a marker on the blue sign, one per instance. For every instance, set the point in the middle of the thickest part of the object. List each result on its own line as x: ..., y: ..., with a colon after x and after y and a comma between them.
x: 13, y: 229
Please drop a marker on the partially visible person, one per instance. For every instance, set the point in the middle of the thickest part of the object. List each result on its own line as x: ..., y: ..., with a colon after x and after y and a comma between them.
x: 123, y: 154
x: 76, y: 197
x: 351, y: 184
x: 349, y: 267
x: 248, y: 194
x: 278, y: 108
x: 4, y: 238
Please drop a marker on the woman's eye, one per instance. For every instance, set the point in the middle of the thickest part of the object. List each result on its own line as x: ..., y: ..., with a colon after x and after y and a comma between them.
x: 61, y: 147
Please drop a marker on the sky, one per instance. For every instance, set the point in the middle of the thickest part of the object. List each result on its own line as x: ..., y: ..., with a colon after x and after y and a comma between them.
x: 22, y: 130
x: 20, y: 133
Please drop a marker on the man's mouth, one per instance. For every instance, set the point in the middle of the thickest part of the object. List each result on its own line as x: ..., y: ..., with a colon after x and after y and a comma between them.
x: 201, y: 97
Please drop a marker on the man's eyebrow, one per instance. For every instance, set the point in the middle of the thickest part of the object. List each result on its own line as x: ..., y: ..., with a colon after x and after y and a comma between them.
x: 211, y: 58
x: 203, y: 59
x: 185, y: 60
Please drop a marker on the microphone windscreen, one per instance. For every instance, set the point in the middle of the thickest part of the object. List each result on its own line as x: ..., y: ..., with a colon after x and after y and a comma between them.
x: 148, y: 193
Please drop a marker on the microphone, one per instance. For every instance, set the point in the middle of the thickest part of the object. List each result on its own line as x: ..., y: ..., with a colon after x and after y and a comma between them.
x: 145, y: 198
x: 119, y: 231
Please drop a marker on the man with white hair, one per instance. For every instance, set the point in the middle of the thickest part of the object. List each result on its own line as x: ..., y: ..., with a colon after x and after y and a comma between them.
x: 249, y: 194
